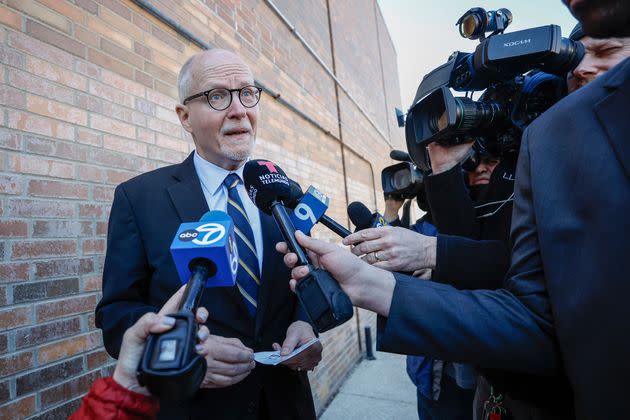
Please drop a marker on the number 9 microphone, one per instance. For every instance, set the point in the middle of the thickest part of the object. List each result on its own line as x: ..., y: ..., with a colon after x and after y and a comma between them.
x: 321, y: 297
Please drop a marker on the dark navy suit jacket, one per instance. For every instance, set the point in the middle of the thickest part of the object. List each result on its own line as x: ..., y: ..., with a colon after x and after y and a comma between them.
x: 139, y: 276
x: 565, y: 307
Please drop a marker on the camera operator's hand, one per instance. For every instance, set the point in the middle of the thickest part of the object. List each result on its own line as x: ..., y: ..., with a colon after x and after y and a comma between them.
x: 394, y: 248
x: 392, y: 206
x: 444, y: 158
x: 367, y: 287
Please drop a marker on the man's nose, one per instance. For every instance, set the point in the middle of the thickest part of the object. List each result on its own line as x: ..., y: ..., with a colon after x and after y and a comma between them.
x: 586, y: 68
x: 236, y: 108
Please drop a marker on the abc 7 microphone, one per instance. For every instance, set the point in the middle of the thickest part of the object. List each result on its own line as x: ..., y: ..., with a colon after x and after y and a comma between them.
x: 205, y: 255
x: 321, y: 297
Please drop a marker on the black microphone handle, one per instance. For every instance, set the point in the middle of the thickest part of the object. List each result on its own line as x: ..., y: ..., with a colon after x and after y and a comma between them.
x: 288, y: 231
x: 334, y: 226
x: 194, y: 288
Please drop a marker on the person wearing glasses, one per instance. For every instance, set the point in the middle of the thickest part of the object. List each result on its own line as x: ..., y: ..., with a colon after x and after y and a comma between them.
x: 219, y: 107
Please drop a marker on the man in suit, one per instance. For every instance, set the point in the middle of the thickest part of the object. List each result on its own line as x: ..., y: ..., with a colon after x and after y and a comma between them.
x: 564, y: 310
x: 219, y: 107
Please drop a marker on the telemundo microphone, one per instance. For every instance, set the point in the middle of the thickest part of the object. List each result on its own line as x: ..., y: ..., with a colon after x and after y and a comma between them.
x: 363, y: 218
x: 309, y: 208
x: 205, y: 255
x: 321, y: 297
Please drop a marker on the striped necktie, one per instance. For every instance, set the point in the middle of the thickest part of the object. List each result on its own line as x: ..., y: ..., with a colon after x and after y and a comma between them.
x: 248, y: 275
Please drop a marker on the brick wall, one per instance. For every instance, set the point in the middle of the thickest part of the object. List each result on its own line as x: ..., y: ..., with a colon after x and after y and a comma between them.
x: 87, y: 92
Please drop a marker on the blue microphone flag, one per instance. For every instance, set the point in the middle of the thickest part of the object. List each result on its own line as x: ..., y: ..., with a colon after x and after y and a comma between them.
x: 310, y: 208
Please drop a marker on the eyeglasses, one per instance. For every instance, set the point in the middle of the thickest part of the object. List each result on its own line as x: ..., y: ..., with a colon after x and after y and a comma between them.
x: 221, y: 98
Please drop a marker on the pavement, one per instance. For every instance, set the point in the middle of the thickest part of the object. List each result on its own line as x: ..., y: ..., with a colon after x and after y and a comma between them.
x: 376, y: 389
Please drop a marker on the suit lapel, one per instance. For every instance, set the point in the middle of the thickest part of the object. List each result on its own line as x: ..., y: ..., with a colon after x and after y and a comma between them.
x: 612, y: 114
x: 190, y: 203
x: 270, y: 237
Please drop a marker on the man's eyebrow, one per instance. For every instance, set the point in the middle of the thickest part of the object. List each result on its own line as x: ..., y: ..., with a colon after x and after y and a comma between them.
x: 601, y: 43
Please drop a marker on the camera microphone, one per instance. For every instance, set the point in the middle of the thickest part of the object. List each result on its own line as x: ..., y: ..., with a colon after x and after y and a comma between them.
x: 363, y: 218
x: 400, y: 156
x: 321, y: 297
x: 205, y: 255
x: 309, y: 208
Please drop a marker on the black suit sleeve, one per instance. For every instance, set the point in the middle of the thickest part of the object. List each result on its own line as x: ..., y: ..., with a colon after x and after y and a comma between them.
x: 126, y: 275
x: 509, y: 329
x: 469, y: 264
x: 451, y: 207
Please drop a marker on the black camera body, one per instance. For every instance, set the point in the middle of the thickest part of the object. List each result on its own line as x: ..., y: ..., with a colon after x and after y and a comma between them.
x: 402, y: 180
x: 522, y: 73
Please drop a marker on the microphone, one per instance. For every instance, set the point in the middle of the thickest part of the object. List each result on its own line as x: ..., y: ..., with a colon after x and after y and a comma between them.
x: 321, y: 297
x: 205, y: 255
x: 309, y: 208
x: 400, y: 156
x: 362, y: 218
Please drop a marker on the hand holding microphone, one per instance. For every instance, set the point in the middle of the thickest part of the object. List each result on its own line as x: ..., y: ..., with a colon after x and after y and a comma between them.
x: 325, y: 303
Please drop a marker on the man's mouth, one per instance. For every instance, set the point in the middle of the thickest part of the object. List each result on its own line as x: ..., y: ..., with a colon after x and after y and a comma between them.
x: 236, y: 131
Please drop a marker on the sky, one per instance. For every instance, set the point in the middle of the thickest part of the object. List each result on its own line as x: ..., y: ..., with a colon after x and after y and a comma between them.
x: 424, y: 32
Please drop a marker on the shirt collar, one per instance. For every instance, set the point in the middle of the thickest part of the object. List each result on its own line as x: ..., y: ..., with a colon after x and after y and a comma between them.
x: 211, y: 175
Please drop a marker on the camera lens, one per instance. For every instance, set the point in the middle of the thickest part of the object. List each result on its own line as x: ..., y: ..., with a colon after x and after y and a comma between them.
x: 401, y: 179
x: 469, y: 25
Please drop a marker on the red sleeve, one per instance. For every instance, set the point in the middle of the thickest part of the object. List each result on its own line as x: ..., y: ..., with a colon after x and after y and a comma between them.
x: 108, y: 400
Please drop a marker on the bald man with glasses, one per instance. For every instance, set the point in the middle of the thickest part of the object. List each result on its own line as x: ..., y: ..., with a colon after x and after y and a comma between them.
x: 219, y: 107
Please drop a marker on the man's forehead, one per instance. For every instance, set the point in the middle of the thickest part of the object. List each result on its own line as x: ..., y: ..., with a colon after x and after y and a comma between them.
x: 219, y: 67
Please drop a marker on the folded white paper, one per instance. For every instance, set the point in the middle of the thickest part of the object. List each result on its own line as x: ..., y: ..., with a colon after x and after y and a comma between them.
x: 274, y: 358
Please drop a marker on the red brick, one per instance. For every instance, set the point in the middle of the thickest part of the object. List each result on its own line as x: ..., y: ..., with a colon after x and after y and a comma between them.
x: 55, y: 38
x: 4, y: 343
x: 101, y: 228
x: 15, y: 317
x: 110, y: 63
x: 13, y: 272
x: 169, y: 128
x: 61, y: 228
x: 92, y: 138
x: 11, y: 57
x: 123, y: 54
x: 93, y: 246
x: 38, y: 208
x: 9, y: 140
x: 63, y: 267
x: 64, y: 410
x: 116, y: 177
x: 10, y: 184
x: 40, y: 125
x: 172, y: 143
x: 125, y: 145
x: 113, y: 95
x: 29, y: 83
x: 103, y: 194
x: 13, y: 229
x: 167, y: 38
x: 160, y: 73
x: 41, y: 13
x: 43, y: 333
x: 3, y: 296
x: 39, y: 166
x: 92, y: 283
x: 56, y: 73
x: 37, y: 249
x: 89, y: 103
x: 15, y: 363
x: 70, y: 306
x: 18, y: 409
x: 5, y: 392
x: 144, y: 135
x: 56, y: 148
x: 10, y: 18
x: 143, y: 78
x: 43, y: 106
x: 57, y: 189
x: 98, y: 358
x: 90, y: 173
x: 99, y: 122
x: 11, y: 97
x: 88, y: 5
x: 120, y: 24
x: 68, y: 390
x: 142, y: 50
x: 92, y: 211
x: 68, y: 347
x: 50, y: 375
x: 165, y: 155
x: 30, y: 291
x: 87, y: 69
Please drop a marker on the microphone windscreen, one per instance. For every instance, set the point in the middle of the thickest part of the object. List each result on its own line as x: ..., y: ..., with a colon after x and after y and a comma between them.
x: 400, y: 156
x: 265, y: 182
x: 359, y: 215
x: 213, y: 215
x: 294, y: 195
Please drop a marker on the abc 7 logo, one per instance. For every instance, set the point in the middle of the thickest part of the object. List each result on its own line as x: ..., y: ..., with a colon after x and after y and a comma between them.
x: 204, y: 235
x: 233, y: 255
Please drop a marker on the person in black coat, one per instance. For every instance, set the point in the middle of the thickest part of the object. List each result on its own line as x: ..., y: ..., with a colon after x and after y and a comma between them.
x: 219, y: 107
x: 563, y: 312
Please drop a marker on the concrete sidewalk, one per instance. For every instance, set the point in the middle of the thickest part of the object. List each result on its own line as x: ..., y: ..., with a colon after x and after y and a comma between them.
x: 376, y: 389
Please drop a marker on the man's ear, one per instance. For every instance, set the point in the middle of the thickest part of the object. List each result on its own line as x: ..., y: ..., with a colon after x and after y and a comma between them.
x: 183, y: 115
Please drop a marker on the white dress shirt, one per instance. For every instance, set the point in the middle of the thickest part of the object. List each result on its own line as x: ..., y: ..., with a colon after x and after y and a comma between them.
x: 211, y: 177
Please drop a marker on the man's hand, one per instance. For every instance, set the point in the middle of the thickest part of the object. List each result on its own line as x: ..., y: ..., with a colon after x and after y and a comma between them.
x: 368, y: 287
x: 444, y: 158
x: 392, y: 206
x: 135, y: 339
x: 394, y: 248
x: 229, y: 361
x: 300, y: 333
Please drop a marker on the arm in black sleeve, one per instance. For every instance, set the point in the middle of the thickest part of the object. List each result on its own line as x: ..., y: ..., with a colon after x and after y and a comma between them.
x: 126, y: 275
x: 509, y: 329
x: 470, y: 264
x: 452, y: 209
